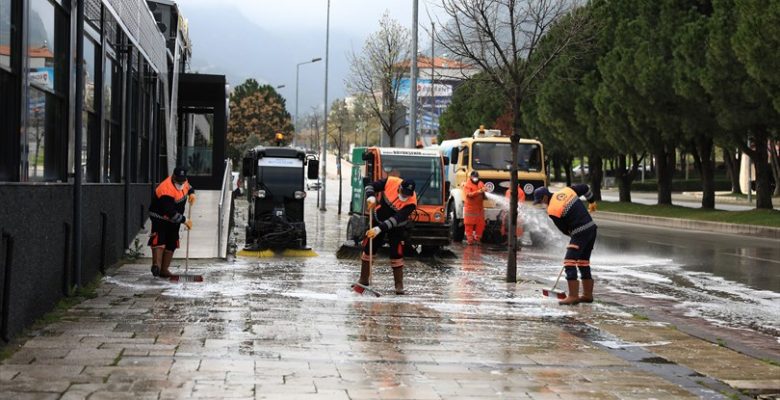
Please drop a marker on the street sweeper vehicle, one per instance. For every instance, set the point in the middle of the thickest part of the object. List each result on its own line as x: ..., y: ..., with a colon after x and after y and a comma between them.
x: 427, y: 231
x: 489, y: 153
x: 275, y: 191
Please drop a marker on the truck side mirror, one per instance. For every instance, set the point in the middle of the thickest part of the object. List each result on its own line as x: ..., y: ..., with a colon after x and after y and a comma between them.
x: 313, y: 170
x: 446, y: 188
x: 368, y: 156
x: 247, y: 167
x: 454, y: 156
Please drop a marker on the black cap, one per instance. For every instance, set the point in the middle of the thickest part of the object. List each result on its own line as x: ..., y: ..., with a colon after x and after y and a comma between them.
x: 407, y: 187
x: 540, y: 193
x: 179, y: 175
x: 474, y: 174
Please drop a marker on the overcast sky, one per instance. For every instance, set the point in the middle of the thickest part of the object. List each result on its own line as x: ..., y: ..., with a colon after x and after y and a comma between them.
x: 286, y: 32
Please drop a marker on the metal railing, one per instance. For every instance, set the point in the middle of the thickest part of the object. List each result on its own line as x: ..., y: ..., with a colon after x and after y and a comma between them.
x: 225, y: 195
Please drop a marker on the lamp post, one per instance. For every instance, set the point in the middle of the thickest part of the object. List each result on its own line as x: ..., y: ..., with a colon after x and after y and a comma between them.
x: 324, y: 159
x: 297, y: 74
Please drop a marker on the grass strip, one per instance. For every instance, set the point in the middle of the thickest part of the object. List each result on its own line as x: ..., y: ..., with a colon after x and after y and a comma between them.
x: 769, y: 218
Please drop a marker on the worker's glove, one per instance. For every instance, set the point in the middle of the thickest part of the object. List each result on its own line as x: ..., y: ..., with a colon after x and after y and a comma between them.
x: 371, y: 202
x: 188, y: 224
x: 592, y: 207
x: 371, y: 233
x: 191, y: 198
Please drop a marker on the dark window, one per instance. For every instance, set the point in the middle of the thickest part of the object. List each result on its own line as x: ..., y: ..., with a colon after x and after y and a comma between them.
x: 498, y: 156
x: 113, y: 143
x: 197, y: 132
x: 45, y: 144
x: 91, y: 135
x: 9, y: 95
x: 5, y: 34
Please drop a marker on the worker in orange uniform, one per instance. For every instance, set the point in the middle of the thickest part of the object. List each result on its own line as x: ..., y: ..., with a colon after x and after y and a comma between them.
x: 572, y: 218
x: 505, y: 219
x: 167, y: 213
x: 473, y: 209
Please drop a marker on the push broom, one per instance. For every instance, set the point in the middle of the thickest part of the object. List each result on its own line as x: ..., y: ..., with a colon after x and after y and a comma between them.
x: 187, y: 277
x: 553, y: 292
x: 357, y: 286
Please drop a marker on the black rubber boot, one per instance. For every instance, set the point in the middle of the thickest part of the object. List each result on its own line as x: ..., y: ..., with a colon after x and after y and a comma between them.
x: 587, y: 291
x: 398, y: 277
x: 155, y: 271
x: 365, y: 273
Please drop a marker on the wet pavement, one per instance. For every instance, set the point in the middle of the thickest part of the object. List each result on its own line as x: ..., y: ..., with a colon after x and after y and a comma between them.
x: 290, y: 328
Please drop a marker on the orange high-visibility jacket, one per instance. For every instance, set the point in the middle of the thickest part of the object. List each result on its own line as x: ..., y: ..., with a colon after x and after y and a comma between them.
x: 473, y: 209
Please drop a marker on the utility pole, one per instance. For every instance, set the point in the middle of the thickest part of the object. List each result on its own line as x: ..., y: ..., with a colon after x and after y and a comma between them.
x: 324, y: 159
x: 412, y: 134
x: 338, y: 165
x: 433, y: 81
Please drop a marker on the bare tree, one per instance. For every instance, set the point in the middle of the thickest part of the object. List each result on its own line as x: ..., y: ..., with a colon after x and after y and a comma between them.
x: 502, y: 38
x: 377, y: 72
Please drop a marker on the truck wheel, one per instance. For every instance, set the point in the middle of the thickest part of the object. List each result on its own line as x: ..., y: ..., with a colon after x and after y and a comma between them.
x: 352, y: 232
x: 429, y: 251
x: 456, y: 225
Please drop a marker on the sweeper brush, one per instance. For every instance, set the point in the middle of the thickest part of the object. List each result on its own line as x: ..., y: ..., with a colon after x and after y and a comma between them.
x: 552, y: 292
x: 268, y: 253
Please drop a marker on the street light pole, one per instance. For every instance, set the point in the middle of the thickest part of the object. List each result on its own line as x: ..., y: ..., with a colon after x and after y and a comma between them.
x: 409, y: 142
x: 325, y: 122
x: 297, y: 74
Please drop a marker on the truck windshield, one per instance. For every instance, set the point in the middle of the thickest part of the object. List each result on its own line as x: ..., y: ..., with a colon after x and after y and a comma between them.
x: 425, y: 171
x: 498, y: 156
x: 281, y: 181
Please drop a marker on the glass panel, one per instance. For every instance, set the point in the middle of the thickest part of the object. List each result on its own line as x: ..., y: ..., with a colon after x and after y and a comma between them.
x: 89, y: 74
x: 425, y: 171
x: 41, y: 47
x: 108, y: 76
x: 498, y: 156
x: 5, y: 33
x: 198, y: 146
x: 37, y: 127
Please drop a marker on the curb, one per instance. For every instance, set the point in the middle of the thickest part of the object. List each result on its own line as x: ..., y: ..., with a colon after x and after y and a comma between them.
x: 693, y: 225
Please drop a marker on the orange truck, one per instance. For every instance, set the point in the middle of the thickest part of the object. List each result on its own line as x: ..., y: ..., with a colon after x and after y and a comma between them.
x: 428, y: 231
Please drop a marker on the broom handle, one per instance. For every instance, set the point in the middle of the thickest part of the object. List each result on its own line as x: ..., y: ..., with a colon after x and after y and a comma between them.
x: 370, y: 243
x: 557, y: 280
x: 187, y: 249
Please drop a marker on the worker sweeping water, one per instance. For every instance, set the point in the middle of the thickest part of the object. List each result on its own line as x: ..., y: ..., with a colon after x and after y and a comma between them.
x: 390, y: 202
x: 167, y: 213
x: 571, y: 218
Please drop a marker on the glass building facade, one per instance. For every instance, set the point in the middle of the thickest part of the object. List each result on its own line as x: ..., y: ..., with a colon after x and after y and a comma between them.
x: 126, y: 68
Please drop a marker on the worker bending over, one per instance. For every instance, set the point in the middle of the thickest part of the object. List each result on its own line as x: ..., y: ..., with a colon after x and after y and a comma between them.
x: 570, y: 216
x: 167, y: 213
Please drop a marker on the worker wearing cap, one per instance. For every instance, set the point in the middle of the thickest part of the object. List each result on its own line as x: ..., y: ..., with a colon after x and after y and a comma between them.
x: 474, y: 209
x: 570, y: 216
x: 391, y: 201
x: 167, y: 213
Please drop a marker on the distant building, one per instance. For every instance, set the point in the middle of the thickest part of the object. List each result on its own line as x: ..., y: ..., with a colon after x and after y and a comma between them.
x: 136, y: 96
x: 436, y: 82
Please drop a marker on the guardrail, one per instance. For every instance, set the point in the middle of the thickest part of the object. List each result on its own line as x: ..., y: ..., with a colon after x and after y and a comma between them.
x: 225, y: 196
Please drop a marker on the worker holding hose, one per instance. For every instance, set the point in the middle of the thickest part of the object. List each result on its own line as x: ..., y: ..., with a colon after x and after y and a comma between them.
x: 390, y: 202
x: 474, y: 209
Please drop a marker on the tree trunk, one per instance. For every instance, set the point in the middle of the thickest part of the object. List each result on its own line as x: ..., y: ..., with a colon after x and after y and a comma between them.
x: 596, y: 175
x: 511, y: 261
x: 732, y: 170
x: 763, y: 172
x: 665, y: 160
x: 556, y: 161
x: 702, y: 158
x: 624, y: 180
x: 567, y: 169
x: 775, y: 159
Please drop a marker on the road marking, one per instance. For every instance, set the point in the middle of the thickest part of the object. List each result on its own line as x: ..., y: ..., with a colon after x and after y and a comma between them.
x: 752, y: 258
